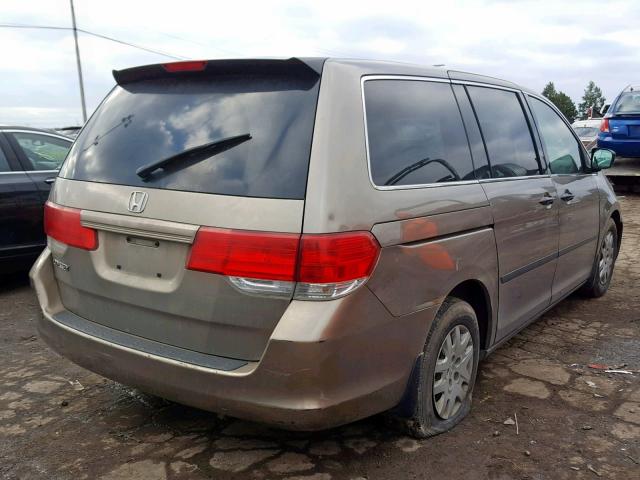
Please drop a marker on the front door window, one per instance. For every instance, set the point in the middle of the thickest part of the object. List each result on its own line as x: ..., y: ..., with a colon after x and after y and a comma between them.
x: 561, y: 146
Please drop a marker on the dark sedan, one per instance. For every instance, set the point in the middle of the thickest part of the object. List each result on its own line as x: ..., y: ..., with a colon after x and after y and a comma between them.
x: 29, y: 163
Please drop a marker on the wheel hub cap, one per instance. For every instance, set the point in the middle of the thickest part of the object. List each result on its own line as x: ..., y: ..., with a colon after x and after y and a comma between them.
x: 605, y: 261
x: 452, y: 374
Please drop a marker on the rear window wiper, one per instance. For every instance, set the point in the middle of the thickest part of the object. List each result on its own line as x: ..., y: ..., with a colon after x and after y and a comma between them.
x: 195, y: 154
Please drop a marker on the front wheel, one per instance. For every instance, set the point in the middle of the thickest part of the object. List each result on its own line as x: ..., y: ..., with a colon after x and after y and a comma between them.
x: 602, y: 271
x: 443, y: 386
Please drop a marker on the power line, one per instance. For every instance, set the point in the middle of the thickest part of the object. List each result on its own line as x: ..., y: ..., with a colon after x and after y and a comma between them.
x: 18, y: 25
x: 95, y: 34
x: 151, y: 50
x: 198, y: 43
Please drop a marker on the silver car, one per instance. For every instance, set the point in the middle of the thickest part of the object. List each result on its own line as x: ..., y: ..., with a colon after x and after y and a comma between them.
x: 308, y: 242
x: 587, y: 131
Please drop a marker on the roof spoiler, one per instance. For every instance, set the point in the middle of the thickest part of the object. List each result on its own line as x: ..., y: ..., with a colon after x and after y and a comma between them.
x: 311, y: 67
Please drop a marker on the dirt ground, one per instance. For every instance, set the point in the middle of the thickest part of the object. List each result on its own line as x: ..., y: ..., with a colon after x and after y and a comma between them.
x: 58, y: 421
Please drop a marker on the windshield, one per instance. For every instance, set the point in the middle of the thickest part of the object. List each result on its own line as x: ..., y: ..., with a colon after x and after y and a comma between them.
x: 586, y: 132
x: 629, y: 102
x: 142, y: 123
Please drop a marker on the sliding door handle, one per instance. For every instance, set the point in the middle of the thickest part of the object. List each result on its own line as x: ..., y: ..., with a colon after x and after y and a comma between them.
x: 547, y: 200
x: 567, y: 196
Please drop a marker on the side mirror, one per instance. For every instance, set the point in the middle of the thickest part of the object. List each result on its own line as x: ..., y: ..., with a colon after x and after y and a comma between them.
x: 602, y: 158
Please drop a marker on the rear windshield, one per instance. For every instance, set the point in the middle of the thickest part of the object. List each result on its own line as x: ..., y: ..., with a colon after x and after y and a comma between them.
x: 586, y: 132
x: 629, y: 102
x: 148, y: 121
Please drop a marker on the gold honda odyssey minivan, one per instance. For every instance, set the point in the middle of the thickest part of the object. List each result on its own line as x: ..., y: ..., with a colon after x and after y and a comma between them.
x: 307, y: 242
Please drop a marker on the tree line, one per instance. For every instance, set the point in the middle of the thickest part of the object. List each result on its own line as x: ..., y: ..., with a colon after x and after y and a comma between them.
x: 592, y: 98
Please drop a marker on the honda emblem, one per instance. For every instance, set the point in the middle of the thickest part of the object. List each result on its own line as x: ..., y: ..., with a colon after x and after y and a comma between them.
x: 137, y: 202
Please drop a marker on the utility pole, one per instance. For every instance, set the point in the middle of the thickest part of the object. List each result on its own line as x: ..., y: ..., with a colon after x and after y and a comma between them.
x: 75, y: 37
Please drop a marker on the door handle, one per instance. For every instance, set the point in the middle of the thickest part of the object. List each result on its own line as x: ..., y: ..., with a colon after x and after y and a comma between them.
x: 567, y: 196
x: 50, y: 180
x: 547, y: 200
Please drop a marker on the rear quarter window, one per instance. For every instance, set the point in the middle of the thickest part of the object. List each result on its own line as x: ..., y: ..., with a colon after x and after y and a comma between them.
x: 147, y: 121
x: 415, y: 133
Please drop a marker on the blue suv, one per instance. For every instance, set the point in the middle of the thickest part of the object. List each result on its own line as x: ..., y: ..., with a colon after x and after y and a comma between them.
x: 620, y: 128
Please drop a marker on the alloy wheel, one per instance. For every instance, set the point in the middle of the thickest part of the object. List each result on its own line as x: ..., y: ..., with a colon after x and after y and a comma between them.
x: 605, y: 261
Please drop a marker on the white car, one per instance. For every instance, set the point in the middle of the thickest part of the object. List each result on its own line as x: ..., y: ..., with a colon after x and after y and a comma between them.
x: 587, y: 130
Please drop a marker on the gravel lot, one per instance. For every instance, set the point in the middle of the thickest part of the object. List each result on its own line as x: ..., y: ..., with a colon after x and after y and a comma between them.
x: 58, y: 421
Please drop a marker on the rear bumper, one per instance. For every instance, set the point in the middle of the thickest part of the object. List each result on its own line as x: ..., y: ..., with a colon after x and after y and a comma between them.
x: 623, y: 148
x: 326, y: 364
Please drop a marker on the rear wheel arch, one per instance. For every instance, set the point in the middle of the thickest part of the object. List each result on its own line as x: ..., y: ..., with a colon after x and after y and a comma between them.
x: 417, y: 413
x: 475, y: 293
x: 617, y: 219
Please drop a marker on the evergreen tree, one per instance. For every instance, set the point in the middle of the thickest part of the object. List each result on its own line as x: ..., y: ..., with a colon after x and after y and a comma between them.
x: 549, y: 90
x: 566, y: 106
x: 592, y: 98
x: 561, y: 100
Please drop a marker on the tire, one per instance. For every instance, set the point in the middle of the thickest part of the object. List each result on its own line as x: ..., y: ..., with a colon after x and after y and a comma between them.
x: 429, y: 415
x: 599, y: 281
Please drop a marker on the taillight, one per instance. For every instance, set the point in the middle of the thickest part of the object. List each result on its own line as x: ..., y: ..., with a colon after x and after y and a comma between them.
x: 188, y: 66
x: 320, y: 267
x: 337, y: 257
x: 332, y: 265
x: 63, y: 224
x: 604, y: 126
x: 241, y: 253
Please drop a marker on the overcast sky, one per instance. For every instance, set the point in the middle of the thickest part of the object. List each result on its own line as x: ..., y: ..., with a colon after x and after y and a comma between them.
x: 529, y: 42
